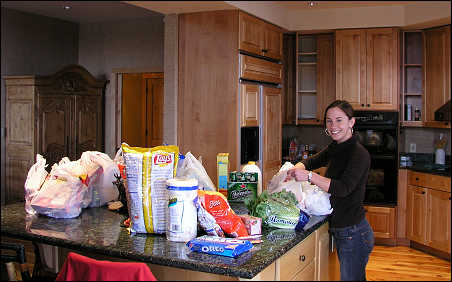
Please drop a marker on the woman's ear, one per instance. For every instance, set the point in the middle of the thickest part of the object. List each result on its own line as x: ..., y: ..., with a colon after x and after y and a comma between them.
x: 352, y: 122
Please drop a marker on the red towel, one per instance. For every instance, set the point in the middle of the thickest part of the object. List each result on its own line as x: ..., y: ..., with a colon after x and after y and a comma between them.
x: 81, y: 268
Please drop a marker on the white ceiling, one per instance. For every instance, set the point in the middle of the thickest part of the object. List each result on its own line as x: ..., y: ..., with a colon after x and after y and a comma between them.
x: 278, y: 12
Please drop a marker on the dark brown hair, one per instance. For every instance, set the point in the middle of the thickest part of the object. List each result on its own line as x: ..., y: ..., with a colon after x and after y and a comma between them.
x: 341, y: 104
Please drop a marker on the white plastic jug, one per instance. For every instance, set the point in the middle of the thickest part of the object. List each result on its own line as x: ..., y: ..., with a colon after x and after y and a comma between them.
x: 182, y: 217
x: 253, y: 168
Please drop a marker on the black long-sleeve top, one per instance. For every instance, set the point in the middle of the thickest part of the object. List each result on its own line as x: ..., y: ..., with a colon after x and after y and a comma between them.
x: 348, y: 166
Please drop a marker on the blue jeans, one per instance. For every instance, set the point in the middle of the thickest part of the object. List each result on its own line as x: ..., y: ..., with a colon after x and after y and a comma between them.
x: 353, y: 244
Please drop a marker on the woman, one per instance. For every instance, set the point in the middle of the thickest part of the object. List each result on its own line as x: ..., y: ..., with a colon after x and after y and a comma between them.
x: 345, y: 179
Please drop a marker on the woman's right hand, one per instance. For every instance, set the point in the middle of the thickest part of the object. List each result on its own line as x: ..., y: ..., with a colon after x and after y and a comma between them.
x: 300, y: 165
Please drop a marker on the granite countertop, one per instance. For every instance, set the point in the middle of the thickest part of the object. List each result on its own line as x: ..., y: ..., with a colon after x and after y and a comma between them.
x: 425, y: 163
x: 99, y: 230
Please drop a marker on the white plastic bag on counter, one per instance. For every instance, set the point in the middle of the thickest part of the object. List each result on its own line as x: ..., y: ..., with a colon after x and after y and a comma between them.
x: 277, y: 183
x: 35, y: 178
x: 192, y: 168
x: 102, y: 188
x: 61, y: 195
x: 316, y: 201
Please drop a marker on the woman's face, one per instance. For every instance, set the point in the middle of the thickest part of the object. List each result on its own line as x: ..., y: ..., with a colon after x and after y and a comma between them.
x: 339, y: 125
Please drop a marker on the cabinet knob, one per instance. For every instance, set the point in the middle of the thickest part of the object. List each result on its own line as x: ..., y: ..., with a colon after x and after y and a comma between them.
x: 264, y: 50
x: 368, y: 105
x: 362, y: 105
x: 423, y: 192
x: 302, y: 258
x: 417, y: 178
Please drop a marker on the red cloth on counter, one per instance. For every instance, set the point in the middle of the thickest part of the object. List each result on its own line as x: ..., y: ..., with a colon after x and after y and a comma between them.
x: 81, y: 268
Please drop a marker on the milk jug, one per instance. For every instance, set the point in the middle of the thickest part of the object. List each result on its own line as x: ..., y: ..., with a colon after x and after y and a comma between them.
x: 253, y: 168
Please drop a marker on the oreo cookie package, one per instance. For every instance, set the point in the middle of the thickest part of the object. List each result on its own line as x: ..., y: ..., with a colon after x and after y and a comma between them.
x: 229, y: 247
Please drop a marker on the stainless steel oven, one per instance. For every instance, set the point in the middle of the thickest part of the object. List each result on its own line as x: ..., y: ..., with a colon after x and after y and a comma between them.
x: 378, y: 132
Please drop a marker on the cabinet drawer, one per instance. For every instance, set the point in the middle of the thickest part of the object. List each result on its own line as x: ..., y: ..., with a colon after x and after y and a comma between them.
x: 297, y: 258
x: 437, y: 182
x: 307, y: 274
x: 259, y: 69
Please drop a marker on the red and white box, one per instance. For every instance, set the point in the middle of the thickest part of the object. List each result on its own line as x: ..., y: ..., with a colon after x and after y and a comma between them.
x: 253, y: 224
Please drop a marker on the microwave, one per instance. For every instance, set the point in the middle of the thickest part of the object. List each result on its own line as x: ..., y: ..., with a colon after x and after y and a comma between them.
x: 249, y: 144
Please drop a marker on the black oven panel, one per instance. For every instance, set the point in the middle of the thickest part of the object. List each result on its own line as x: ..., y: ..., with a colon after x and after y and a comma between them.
x: 377, y: 132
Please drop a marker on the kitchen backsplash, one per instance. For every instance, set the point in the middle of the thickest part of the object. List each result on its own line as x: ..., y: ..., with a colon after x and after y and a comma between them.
x: 424, y: 138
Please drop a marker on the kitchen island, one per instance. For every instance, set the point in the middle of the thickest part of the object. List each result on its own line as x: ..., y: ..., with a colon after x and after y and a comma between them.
x: 283, y: 254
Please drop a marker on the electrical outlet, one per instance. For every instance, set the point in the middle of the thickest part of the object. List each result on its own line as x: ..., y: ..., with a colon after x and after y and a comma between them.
x: 412, y: 147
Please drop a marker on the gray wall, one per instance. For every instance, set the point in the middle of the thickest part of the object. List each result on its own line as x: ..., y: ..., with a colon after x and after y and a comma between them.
x: 33, y: 44
x: 114, y: 47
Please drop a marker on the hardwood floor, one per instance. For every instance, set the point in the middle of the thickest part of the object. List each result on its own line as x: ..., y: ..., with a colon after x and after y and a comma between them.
x: 399, y: 264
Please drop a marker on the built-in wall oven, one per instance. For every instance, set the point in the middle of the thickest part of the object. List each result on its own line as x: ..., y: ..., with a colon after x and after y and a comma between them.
x: 378, y: 132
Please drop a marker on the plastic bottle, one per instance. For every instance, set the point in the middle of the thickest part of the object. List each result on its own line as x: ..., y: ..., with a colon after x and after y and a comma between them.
x: 180, y: 165
x: 253, y: 168
x: 440, y: 154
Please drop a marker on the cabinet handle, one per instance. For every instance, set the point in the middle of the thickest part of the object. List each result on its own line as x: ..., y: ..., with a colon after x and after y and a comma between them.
x: 423, y: 192
x: 264, y: 50
x: 417, y: 178
x: 362, y: 105
x: 302, y: 258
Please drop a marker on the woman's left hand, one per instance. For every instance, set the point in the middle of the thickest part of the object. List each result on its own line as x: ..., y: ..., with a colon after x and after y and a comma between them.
x: 297, y: 173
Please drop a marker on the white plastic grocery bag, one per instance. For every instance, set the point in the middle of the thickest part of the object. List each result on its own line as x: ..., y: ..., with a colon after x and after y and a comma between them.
x: 35, y: 178
x: 61, y: 195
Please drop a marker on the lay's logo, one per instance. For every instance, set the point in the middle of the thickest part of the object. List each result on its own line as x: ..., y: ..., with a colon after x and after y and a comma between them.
x: 162, y: 159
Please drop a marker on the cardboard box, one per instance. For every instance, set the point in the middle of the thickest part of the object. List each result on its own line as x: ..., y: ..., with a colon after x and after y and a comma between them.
x: 242, y: 185
x: 253, y: 224
x: 222, y: 172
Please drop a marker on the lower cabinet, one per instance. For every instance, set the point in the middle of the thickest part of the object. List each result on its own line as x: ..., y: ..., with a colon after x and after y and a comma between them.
x: 382, y: 221
x: 307, y: 261
x: 428, y: 210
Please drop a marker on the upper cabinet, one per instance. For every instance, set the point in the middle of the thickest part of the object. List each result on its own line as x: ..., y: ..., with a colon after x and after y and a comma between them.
x: 425, y: 76
x: 315, y: 77
x: 259, y: 37
x: 437, y: 70
x: 367, y: 68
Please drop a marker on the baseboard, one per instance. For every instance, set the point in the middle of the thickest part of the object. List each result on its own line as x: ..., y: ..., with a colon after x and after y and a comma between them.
x: 386, y: 241
x: 403, y: 242
x: 429, y: 250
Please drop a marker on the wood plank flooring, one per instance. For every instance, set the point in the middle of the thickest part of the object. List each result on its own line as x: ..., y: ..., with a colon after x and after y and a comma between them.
x: 399, y: 264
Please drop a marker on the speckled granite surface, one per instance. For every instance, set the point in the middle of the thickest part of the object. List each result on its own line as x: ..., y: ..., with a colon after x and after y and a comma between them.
x: 98, y: 230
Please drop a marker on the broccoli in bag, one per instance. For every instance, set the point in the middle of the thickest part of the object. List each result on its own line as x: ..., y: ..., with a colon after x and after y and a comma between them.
x: 276, y: 210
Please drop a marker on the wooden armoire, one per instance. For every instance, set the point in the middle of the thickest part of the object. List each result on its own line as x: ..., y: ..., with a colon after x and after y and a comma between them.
x: 57, y: 116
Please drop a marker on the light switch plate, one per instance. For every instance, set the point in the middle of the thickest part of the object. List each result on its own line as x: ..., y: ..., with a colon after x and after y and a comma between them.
x: 412, y: 147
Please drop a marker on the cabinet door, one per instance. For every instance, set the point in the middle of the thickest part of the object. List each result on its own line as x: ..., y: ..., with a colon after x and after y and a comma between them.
x: 326, y: 88
x: 439, y: 217
x: 88, y: 125
x: 437, y: 70
x: 289, y: 75
x: 54, y: 128
x: 382, y: 220
x: 272, y: 135
x: 251, y: 34
x: 154, y: 109
x: 417, y: 214
x: 322, y: 253
x: 272, y: 42
x: 382, y: 69
x: 351, y: 67
x: 250, y: 105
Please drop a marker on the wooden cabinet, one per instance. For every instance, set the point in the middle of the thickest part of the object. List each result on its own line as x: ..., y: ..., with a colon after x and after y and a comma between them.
x: 211, y: 68
x: 250, y: 105
x: 271, y: 133
x: 428, y: 210
x: 322, y: 253
x: 367, y: 68
x: 412, y: 76
x: 260, y: 70
x: 289, y: 79
x: 315, y: 77
x: 437, y: 70
x: 259, y: 37
x: 56, y: 116
x: 382, y: 220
